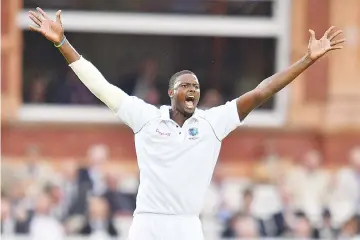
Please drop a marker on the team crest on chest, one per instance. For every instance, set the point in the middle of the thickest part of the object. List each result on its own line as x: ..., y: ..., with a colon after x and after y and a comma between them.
x: 193, y: 132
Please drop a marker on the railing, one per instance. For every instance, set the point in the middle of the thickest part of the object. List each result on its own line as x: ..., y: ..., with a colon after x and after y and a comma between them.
x: 18, y: 237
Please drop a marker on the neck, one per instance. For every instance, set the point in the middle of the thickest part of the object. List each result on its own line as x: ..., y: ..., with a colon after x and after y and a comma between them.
x: 177, y: 116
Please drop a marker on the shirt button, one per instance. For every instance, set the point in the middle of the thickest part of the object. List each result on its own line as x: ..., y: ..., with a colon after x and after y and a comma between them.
x: 179, y: 132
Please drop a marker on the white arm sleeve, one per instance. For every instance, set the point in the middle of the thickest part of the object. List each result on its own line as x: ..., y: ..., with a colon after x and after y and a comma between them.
x: 88, y: 74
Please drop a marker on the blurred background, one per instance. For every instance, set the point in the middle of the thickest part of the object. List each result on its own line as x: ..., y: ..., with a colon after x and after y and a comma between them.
x: 68, y: 168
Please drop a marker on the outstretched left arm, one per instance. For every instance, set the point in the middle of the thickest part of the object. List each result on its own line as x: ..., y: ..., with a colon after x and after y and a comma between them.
x: 270, y: 86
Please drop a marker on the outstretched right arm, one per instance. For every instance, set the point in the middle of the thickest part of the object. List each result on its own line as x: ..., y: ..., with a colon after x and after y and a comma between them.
x: 91, y: 77
x: 88, y: 74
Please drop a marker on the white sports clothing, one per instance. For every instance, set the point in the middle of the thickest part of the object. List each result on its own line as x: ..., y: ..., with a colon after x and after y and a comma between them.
x: 176, y: 163
x: 92, y: 78
x: 165, y: 227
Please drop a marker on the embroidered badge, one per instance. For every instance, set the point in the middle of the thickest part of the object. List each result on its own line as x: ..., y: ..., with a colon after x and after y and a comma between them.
x: 193, y: 131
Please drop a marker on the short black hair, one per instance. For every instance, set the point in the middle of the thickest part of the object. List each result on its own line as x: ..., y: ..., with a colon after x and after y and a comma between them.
x: 248, y: 192
x: 176, y: 75
x: 326, y: 213
x: 300, y: 214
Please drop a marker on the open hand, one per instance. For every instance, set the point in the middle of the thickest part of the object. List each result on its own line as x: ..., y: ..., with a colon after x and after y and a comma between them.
x: 52, y: 30
x: 318, y: 48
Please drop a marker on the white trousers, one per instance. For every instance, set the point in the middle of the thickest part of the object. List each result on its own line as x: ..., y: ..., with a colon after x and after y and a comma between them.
x: 165, y: 227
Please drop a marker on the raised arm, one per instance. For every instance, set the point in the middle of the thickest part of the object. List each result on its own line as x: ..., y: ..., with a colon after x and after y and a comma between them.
x: 270, y: 86
x: 86, y: 71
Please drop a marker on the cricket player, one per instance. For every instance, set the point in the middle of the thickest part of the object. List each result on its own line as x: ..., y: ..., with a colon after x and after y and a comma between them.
x: 177, y: 146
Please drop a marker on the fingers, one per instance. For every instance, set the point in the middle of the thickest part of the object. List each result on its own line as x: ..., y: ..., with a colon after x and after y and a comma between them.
x: 335, y: 34
x: 336, y: 48
x: 326, y: 34
x: 35, y: 20
x: 312, y: 34
x: 58, y: 16
x: 43, y: 13
x: 333, y: 43
x: 35, y: 29
x: 36, y: 15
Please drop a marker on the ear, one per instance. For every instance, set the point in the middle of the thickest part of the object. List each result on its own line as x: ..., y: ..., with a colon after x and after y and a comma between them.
x: 171, y: 93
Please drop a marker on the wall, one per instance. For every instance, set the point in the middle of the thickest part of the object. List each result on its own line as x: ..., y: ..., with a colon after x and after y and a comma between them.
x: 324, y: 109
x: 327, y: 96
x: 10, y: 60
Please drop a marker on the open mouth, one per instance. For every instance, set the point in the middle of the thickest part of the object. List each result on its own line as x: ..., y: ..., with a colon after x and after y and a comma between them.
x: 189, y: 102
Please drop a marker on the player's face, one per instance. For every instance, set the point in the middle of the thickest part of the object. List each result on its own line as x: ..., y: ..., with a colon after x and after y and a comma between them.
x: 186, y: 93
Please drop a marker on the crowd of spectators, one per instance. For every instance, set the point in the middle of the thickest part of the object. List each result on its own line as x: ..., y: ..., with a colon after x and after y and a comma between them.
x: 280, y: 199
x: 143, y: 84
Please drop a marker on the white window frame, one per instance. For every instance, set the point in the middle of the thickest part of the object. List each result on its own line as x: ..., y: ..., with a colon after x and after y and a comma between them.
x: 169, y: 24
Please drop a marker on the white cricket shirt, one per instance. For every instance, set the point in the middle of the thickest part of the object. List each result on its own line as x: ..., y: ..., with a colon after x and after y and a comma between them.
x: 176, y: 163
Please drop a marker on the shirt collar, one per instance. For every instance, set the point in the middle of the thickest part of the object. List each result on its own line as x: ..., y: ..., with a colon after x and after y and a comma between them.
x: 165, y: 113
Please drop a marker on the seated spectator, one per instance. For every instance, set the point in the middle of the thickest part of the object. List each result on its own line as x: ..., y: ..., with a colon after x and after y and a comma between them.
x: 301, y: 228
x: 143, y: 84
x: 43, y: 226
x: 13, y: 221
x: 245, y: 227
x: 69, y: 89
x: 326, y: 229
x: 119, y: 203
x: 308, y: 187
x: 345, y: 197
x: 211, y: 98
x: 37, y: 91
x: 35, y: 168
x: 98, y: 221
x: 74, y: 193
x: 350, y: 229
x: 91, y: 175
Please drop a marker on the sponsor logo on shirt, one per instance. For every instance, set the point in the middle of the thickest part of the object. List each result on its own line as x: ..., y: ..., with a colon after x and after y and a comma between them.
x: 163, y: 134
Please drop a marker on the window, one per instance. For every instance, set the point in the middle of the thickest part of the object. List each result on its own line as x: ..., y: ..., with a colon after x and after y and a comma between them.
x: 258, y: 8
x: 240, y: 64
x: 230, y: 53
